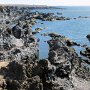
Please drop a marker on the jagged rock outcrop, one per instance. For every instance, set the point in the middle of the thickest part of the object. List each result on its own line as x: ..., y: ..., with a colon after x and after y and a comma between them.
x: 86, y: 53
x: 62, y: 70
x: 58, y: 72
x: 18, y: 42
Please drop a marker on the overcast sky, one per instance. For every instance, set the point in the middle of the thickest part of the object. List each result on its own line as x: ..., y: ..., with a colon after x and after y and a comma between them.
x: 49, y: 2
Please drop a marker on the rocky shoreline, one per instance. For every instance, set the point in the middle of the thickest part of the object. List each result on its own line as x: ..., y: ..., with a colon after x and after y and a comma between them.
x: 20, y: 66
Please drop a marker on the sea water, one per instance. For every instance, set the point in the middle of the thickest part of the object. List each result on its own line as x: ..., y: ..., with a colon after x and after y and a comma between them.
x: 75, y: 29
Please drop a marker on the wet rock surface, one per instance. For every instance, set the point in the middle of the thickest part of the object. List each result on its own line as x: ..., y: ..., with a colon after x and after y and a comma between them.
x: 62, y: 70
x: 88, y: 36
x: 86, y: 53
x: 49, y: 17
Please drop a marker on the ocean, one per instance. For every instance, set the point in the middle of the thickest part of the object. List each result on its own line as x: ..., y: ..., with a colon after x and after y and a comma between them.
x: 75, y: 29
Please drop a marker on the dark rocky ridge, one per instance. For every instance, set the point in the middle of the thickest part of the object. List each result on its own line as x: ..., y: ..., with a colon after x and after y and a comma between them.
x: 55, y: 73
x: 62, y: 70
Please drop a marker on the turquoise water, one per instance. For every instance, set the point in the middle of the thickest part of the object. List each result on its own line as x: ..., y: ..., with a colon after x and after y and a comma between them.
x: 75, y: 29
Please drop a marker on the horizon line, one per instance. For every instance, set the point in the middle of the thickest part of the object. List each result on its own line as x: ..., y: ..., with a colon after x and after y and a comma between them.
x: 40, y: 5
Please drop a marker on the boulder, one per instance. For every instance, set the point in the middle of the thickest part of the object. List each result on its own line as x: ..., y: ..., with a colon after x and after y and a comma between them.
x: 88, y: 36
x: 71, y: 43
x: 86, y: 53
x: 13, y: 84
x: 34, y: 83
x: 16, y: 30
x: 16, y: 71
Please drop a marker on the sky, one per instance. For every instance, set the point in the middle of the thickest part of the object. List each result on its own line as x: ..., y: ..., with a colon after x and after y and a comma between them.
x: 49, y: 2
